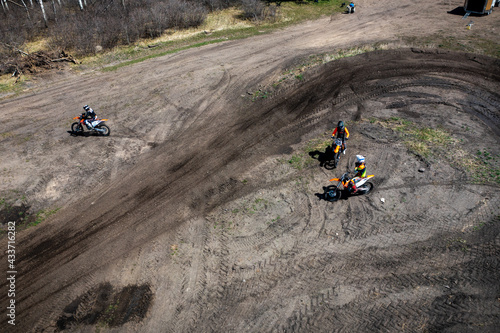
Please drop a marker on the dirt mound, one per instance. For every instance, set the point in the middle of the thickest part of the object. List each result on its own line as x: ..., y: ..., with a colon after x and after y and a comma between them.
x: 35, y: 63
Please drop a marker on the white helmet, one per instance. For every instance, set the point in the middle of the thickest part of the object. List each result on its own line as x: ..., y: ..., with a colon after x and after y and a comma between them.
x: 360, y: 159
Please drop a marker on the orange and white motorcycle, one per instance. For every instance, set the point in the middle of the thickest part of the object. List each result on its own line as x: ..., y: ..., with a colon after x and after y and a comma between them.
x: 337, y: 151
x: 344, y: 187
x: 98, y: 126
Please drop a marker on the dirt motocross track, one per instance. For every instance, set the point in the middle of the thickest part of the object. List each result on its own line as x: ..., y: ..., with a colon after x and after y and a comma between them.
x: 202, y: 211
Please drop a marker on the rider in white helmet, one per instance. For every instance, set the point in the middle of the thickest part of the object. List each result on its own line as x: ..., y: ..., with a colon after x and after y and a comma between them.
x: 360, y: 169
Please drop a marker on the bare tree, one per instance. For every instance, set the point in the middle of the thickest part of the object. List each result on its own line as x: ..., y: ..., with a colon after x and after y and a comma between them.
x: 54, y: 9
x: 5, y: 5
x: 43, y: 13
x: 81, y: 4
x: 27, y: 10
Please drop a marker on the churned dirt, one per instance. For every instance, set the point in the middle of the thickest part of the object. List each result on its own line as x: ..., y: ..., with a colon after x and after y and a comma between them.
x: 202, y: 211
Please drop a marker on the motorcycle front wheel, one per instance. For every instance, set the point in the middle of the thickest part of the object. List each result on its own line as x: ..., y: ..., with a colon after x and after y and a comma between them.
x: 336, y: 158
x: 332, y: 193
x: 105, y: 130
x: 76, y: 128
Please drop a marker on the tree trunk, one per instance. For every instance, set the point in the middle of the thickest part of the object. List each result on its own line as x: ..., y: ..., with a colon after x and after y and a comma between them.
x: 81, y: 4
x: 43, y: 13
x: 123, y: 3
x: 5, y: 5
x: 27, y: 10
x: 54, y: 9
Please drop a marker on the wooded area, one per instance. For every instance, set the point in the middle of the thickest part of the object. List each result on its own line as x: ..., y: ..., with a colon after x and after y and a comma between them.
x: 83, y: 26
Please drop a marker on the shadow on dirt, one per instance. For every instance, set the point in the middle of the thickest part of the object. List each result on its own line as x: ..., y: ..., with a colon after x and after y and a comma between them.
x: 325, y: 158
x: 84, y: 134
x: 106, y: 306
x: 331, y: 194
x: 15, y: 213
x: 457, y: 11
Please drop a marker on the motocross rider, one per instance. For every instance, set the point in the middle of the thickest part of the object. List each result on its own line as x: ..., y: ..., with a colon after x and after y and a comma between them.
x: 342, y: 133
x: 89, y: 116
x: 350, y: 7
x: 360, y: 169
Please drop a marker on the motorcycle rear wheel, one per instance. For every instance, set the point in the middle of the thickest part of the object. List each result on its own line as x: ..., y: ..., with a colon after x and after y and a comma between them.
x: 365, y: 188
x: 76, y: 128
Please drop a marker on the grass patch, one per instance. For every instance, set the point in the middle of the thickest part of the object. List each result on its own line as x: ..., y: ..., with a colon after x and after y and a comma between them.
x: 42, y: 216
x: 276, y: 219
x: 174, y: 249
x: 11, y: 85
x: 260, y: 94
x: 471, y: 43
x: 297, y: 161
x: 457, y: 244
x: 4, y: 87
x: 319, y: 144
x: 421, y: 141
x: 483, y: 166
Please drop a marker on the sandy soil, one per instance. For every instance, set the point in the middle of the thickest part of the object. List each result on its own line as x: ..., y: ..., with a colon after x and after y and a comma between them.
x: 202, y: 211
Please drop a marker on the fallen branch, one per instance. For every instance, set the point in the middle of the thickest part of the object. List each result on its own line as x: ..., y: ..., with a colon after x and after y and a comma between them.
x: 15, y: 3
x: 14, y: 48
x: 17, y: 72
x: 68, y: 59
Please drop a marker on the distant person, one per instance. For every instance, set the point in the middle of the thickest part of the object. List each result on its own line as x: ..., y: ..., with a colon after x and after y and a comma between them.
x: 89, y: 116
x: 350, y: 7
x: 360, y: 169
x: 342, y: 133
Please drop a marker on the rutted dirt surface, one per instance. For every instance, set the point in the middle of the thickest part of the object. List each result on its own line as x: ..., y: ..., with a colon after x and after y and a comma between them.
x: 201, y: 211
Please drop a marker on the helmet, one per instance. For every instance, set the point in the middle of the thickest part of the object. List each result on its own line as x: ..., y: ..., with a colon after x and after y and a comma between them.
x: 341, y: 125
x: 360, y: 159
x: 86, y: 108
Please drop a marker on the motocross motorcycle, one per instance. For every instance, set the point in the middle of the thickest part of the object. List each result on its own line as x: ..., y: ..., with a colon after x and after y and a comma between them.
x: 337, y: 151
x: 344, y: 187
x: 99, y: 127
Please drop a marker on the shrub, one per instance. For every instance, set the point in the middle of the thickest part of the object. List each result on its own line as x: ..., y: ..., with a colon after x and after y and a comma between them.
x: 252, y: 9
